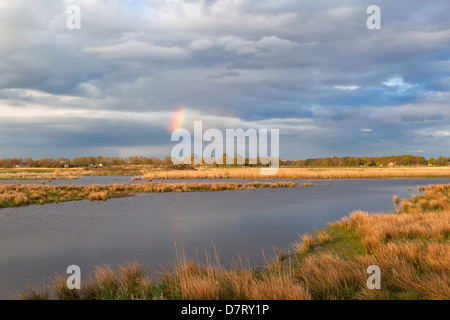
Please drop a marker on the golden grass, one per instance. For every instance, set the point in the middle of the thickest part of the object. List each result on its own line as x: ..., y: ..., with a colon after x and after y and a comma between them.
x: 126, y: 281
x: 306, y: 244
x: 324, y: 237
x: 411, y: 246
x: 302, y: 173
x: 100, y: 195
x: 189, y: 279
x: 34, y: 293
x: 329, y: 277
x: 376, y: 229
x: 59, y: 286
x: 19, y: 174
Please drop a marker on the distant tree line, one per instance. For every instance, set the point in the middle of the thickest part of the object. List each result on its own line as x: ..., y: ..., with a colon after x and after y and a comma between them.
x: 78, y: 162
x: 404, y: 160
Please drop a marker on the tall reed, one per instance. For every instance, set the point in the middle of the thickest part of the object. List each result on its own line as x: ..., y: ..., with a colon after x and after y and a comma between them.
x: 302, y: 173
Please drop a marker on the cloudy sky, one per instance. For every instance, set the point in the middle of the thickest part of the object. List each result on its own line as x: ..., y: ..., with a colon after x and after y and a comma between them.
x: 311, y: 69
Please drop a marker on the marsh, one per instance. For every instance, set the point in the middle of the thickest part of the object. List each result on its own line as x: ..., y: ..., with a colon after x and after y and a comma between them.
x: 38, y: 240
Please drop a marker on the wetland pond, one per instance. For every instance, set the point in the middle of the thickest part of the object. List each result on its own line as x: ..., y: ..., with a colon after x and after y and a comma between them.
x: 38, y: 240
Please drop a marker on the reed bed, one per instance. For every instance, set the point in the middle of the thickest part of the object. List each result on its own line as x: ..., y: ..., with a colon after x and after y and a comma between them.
x: 411, y: 246
x: 146, y: 172
x: 185, y: 279
x: 22, y: 195
x: 45, y: 176
x: 303, y: 173
x: 189, y: 279
x: 128, y: 281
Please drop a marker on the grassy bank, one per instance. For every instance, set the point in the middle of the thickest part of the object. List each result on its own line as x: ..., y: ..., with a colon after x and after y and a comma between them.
x: 40, y: 174
x: 411, y: 246
x: 304, y: 173
x: 49, y: 174
x: 149, y: 172
x: 22, y: 195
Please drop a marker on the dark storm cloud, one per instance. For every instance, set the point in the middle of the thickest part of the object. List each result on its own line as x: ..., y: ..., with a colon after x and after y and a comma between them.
x: 245, y: 61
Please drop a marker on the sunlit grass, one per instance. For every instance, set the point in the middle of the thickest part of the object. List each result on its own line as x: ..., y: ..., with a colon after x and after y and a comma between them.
x: 204, y: 172
x: 302, y: 173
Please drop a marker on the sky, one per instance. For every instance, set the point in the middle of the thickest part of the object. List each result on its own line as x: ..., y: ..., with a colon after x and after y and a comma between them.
x: 311, y: 69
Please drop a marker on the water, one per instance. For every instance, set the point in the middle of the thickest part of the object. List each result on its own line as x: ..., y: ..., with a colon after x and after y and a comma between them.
x: 36, y: 241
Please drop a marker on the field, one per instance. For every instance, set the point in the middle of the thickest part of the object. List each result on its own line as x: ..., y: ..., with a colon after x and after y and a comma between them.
x: 304, y: 173
x: 48, y: 174
x: 148, y: 172
x: 411, y: 246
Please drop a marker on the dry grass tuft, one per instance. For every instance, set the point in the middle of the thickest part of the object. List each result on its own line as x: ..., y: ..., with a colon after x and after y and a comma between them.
x: 189, y: 279
x: 324, y: 237
x: 99, y: 196
x: 329, y: 277
x: 34, y: 293
x: 306, y: 244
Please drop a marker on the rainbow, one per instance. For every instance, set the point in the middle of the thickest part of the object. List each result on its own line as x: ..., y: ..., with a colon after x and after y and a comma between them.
x: 179, y: 120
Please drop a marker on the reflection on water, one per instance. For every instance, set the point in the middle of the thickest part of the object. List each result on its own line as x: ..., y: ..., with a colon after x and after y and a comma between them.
x: 37, y: 240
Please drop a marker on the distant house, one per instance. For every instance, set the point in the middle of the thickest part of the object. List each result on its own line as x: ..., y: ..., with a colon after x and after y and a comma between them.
x: 391, y: 164
x: 98, y: 165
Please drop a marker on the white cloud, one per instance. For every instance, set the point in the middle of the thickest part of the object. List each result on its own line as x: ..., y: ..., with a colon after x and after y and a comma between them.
x: 265, y: 46
x: 394, y: 82
x: 399, y: 83
x: 415, y: 151
x: 137, y: 50
x: 273, y: 61
x: 350, y: 88
x: 443, y: 133
x: 201, y: 44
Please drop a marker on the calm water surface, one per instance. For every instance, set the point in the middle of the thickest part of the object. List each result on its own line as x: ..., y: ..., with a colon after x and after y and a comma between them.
x: 35, y: 241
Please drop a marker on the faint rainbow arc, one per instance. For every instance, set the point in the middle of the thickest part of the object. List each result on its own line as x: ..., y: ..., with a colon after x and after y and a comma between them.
x: 179, y: 119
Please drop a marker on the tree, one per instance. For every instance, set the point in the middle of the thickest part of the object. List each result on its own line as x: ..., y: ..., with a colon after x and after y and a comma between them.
x: 167, y: 161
